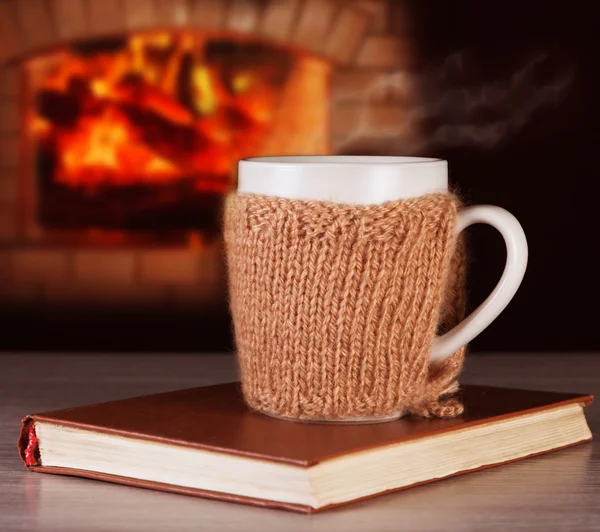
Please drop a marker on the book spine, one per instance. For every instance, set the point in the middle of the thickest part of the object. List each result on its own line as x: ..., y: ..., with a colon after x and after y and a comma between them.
x: 29, y: 448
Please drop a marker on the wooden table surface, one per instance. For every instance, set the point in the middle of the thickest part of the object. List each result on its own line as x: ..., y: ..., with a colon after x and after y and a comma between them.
x: 559, y: 491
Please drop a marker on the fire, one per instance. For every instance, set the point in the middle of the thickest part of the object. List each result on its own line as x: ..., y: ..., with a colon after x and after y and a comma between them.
x: 154, y: 111
x: 106, y: 150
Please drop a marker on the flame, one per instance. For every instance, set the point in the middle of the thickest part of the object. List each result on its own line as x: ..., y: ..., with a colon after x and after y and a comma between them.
x: 106, y: 150
x: 132, y: 126
x: 242, y: 82
x: 205, y: 97
x: 100, y: 88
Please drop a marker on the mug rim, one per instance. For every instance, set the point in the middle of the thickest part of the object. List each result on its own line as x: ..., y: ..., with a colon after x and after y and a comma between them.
x: 296, y: 160
x: 347, y: 179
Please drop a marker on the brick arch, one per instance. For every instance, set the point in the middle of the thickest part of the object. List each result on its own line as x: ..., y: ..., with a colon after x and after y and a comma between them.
x: 332, y: 29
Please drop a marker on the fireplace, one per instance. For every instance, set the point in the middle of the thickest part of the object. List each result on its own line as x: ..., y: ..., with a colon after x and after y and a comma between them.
x: 121, y: 122
x: 140, y: 135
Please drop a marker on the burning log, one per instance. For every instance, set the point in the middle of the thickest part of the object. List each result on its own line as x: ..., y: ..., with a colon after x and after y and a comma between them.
x: 62, y: 109
x: 136, y: 92
x: 179, y: 143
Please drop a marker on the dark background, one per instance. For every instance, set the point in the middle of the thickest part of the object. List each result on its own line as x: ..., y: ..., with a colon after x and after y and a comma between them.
x: 545, y: 173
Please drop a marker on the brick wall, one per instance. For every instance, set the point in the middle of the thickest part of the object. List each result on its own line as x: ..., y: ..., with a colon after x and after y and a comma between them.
x: 175, y: 278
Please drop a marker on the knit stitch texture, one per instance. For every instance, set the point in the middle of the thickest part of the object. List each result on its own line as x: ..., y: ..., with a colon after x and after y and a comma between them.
x: 335, y: 307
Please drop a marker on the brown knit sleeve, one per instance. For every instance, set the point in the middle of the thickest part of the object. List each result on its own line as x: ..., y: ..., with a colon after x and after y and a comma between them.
x: 335, y: 307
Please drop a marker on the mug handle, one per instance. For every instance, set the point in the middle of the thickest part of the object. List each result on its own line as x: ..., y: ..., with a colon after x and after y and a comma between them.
x: 516, y: 263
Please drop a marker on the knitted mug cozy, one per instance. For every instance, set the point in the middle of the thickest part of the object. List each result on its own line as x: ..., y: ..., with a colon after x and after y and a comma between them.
x: 335, y: 307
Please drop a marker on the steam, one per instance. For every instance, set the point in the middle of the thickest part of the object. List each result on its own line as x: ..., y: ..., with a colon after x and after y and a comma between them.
x: 453, y: 110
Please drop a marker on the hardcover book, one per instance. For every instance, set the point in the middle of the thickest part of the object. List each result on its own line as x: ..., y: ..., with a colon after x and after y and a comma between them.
x: 206, y: 442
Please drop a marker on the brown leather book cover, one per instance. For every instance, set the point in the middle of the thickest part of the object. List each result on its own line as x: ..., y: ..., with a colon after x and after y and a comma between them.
x: 215, y: 418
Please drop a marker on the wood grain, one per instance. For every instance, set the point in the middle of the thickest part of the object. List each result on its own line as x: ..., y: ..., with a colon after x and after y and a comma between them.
x: 559, y: 491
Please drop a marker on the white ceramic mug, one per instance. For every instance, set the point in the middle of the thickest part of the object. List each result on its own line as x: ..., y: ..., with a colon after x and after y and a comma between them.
x: 366, y: 180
